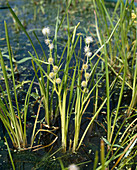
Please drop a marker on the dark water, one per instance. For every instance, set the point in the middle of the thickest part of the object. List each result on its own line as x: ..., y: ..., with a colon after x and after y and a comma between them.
x: 25, y: 12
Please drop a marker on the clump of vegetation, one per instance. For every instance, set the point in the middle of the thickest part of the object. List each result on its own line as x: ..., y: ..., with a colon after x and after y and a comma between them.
x: 68, y: 84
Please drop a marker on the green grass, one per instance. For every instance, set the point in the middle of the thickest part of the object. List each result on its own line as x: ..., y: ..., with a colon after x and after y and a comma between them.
x: 74, y: 81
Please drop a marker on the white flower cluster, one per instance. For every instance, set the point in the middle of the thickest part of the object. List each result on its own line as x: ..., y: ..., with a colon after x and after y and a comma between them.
x: 46, y: 32
x: 51, y: 46
x: 88, y: 40
x: 88, y: 54
x: 52, y: 74
x: 84, y: 83
x: 73, y: 167
x: 87, y: 76
x: 50, y: 60
x: 58, y: 80
x: 47, y: 41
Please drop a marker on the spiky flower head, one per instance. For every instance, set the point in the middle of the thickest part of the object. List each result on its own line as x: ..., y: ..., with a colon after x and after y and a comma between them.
x: 73, y: 167
x: 51, y: 74
x: 85, y: 66
x: 50, y: 60
x: 46, y: 31
x: 58, y: 80
x: 51, y: 46
x: 84, y: 84
x: 133, y: 15
x: 55, y: 69
x: 87, y: 75
x: 47, y: 41
x: 89, y: 40
x: 86, y: 49
x: 88, y: 54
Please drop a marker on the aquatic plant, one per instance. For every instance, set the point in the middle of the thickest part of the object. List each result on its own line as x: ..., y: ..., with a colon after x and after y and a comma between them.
x: 12, y: 118
x: 64, y: 87
x: 74, y: 84
x: 118, y: 58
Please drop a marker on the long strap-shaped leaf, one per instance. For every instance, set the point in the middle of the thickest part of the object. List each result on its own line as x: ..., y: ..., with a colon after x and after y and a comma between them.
x: 14, y: 119
x: 12, y: 72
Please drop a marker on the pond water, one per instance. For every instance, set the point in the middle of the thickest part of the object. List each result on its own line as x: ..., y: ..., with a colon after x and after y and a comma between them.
x: 25, y: 11
x: 35, y: 21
